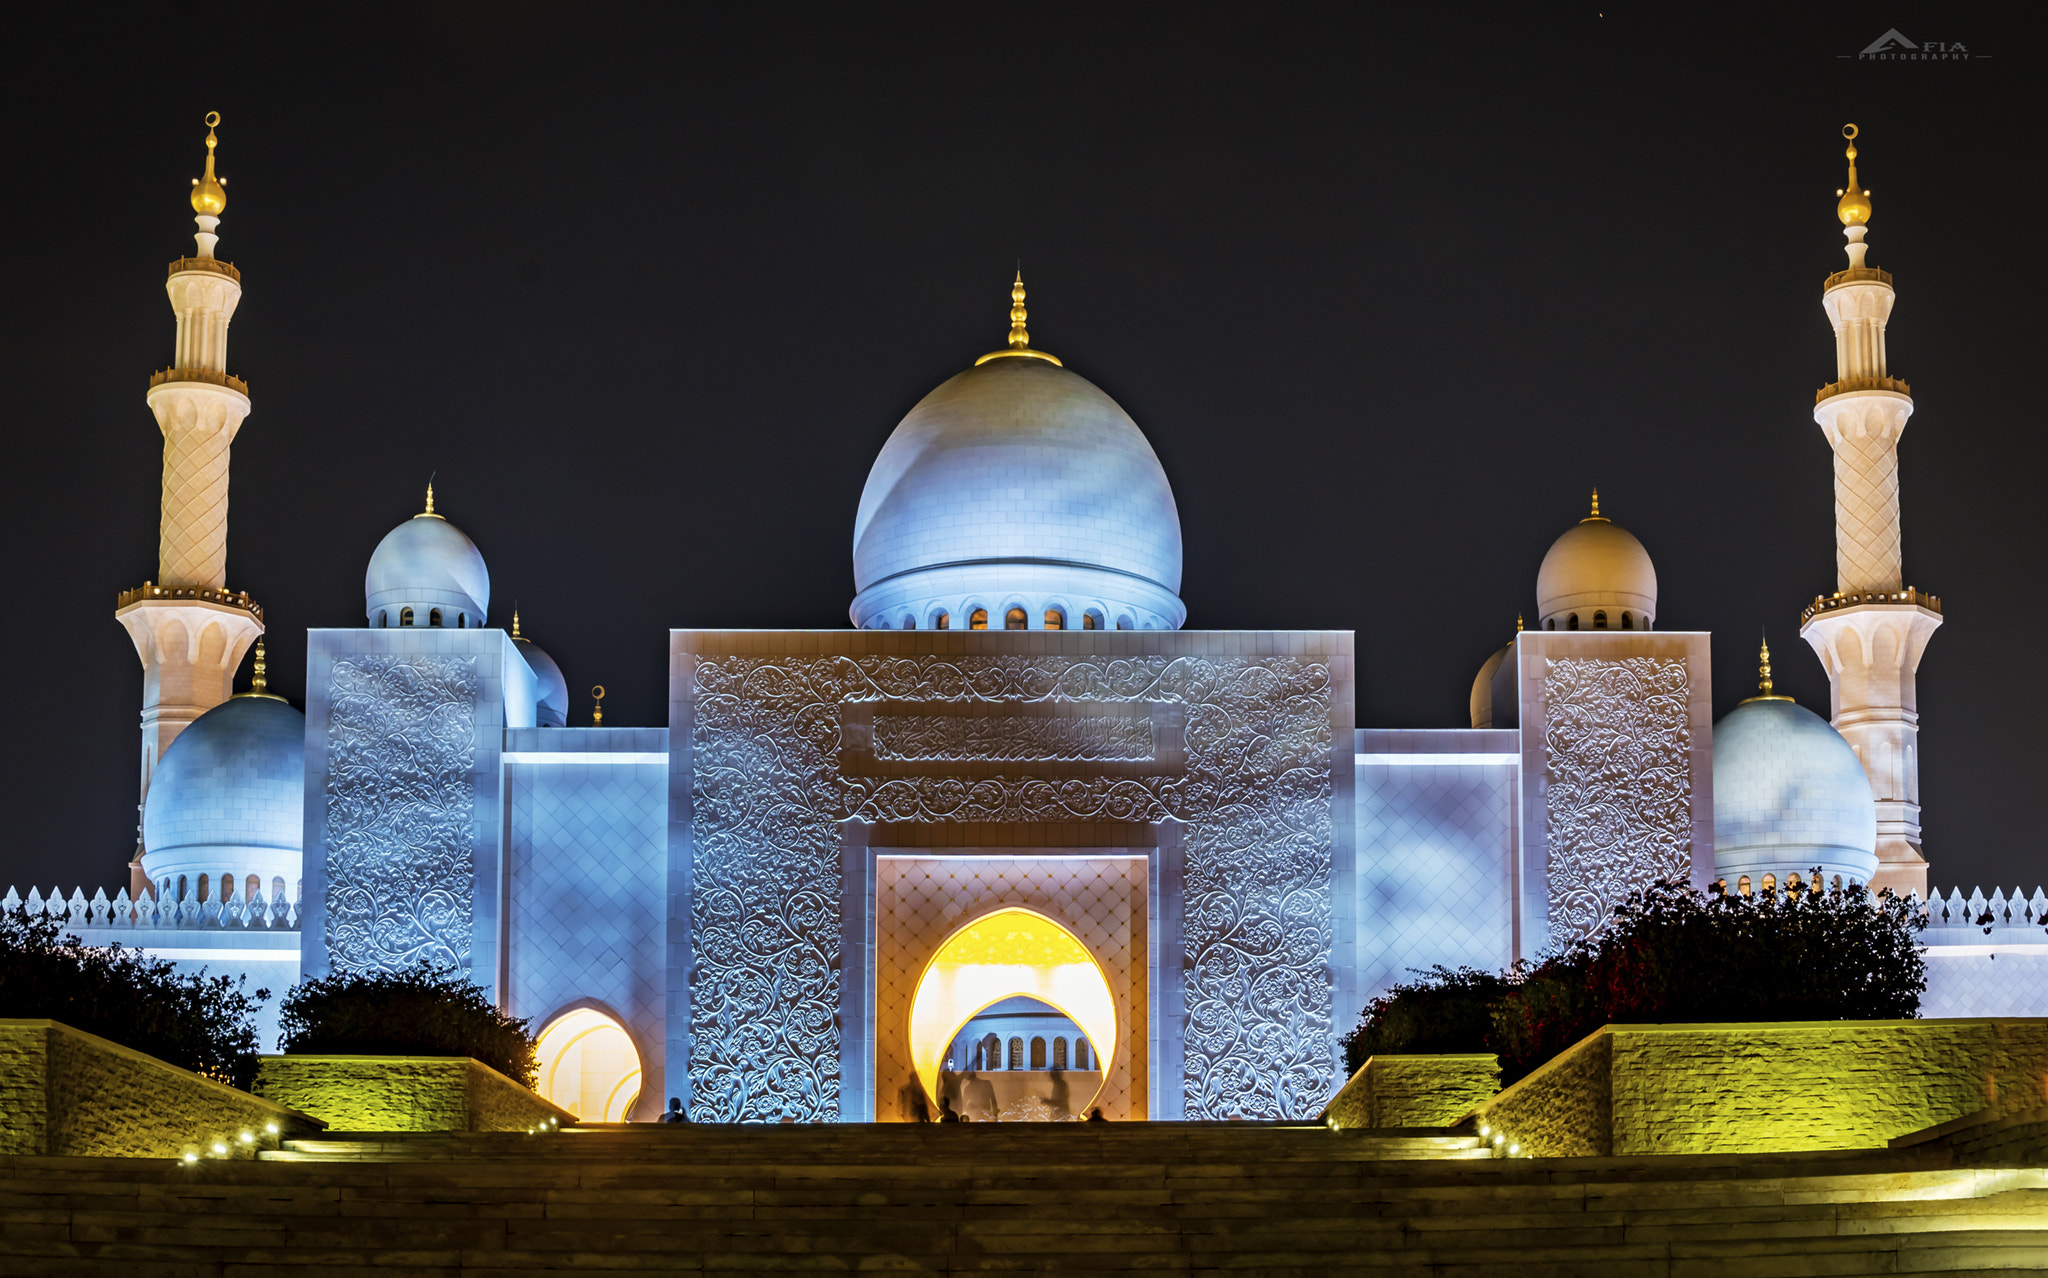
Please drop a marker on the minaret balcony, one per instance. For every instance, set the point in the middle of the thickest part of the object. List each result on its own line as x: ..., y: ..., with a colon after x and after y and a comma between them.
x: 1859, y: 598
x: 165, y: 376
x: 149, y: 590
x: 1850, y: 385
x: 219, y: 267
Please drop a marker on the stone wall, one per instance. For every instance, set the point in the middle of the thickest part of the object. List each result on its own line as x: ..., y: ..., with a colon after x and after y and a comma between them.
x: 1414, y: 1091
x: 404, y: 1093
x: 1812, y: 1085
x: 66, y: 1092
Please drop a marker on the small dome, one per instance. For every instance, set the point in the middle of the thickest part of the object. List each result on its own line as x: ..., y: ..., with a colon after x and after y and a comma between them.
x: 230, y: 793
x: 1789, y: 795
x: 1596, y: 567
x: 426, y: 565
x: 1482, y: 688
x: 1017, y: 485
x: 551, y: 708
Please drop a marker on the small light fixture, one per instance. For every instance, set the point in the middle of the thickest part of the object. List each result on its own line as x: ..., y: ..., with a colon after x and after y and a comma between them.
x: 191, y: 1157
x: 1484, y: 1130
x: 219, y: 1149
x: 1513, y: 1150
x: 271, y: 1128
x: 246, y: 1139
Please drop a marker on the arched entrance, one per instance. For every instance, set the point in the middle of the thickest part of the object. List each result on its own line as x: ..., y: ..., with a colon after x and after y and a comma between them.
x: 589, y: 1066
x: 1010, y: 952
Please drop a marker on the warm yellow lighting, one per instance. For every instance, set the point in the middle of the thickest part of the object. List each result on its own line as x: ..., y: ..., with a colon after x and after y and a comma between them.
x: 271, y: 1128
x: 999, y: 956
x: 589, y: 1066
x: 191, y: 1157
x: 246, y: 1139
x: 219, y: 1148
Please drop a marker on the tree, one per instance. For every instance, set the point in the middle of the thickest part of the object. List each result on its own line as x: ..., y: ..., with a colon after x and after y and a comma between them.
x: 206, y: 1024
x: 423, y: 1010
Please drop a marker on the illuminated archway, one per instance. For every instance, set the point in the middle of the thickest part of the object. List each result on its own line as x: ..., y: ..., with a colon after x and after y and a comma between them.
x: 1009, y: 952
x: 589, y: 1066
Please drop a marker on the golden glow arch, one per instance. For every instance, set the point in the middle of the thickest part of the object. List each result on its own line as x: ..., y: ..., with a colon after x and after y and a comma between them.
x: 589, y: 1066
x: 1009, y: 952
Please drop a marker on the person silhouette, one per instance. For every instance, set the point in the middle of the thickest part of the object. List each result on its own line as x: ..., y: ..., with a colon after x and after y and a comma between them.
x: 947, y: 1114
x: 1095, y: 1115
x: 675, y: 1112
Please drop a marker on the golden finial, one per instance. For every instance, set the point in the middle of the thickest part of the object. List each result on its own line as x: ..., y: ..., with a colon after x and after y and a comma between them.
x: 515, y: 624
x: 1518, y: 623
x: 1020, y: 337
x: 1763, y: 675
x: 1854, y: 209
x: 1596, y: 517
x: 259, y: 677
x: 209, y: 197
x: 597, y: 707
x: 428, y: 513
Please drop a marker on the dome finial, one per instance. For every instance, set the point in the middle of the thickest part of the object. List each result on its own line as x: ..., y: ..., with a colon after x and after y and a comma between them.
x: 428, y: 513
x: 1763, y: 675
x: 259, y: 677
x: 1854, y: 208
x: 1020, y: 337
x: 515, y: 623
x: 209, y: 198
x: 1518, y: 623
x: 597, y: 706
x: 1596, y: 516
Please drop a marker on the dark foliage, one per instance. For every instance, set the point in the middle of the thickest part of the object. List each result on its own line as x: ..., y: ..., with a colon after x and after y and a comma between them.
x: 1445, y: 1011
x: 206, y: 1024
x: 423, y: 1010
x: 1671, y: 955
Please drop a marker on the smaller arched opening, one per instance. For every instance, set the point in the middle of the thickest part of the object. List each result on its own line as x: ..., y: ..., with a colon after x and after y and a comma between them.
x: 434, y: 617
x: 1059, y: 1052
x: 1742, y: 885
x: 1770, y: 882
x: 1016, y: 619
x: 1572, y: 622
x: 1037, y: 1053
x: 1055, y: 619
x: 1123, y: 622
x: 383, y: 618
x: 1628, y: 621
x: 1016, y: 1060
x: 587, y: 1064
x: 1600, y: 619
x: 405, y: 616
x: 909, y: 622
x: 942, y: 620
x: 1550, y: 623
x: 1091, y: 620
x: 978, y: 619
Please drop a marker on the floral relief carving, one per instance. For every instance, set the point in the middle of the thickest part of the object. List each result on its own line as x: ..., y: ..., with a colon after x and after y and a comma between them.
x: 1012, y: 738
x: 1618, y: 740
x: 768, y: 798
x: 401, y: 806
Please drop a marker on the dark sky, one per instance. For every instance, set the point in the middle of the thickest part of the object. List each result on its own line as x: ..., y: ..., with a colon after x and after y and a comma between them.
x: 1387, y: 294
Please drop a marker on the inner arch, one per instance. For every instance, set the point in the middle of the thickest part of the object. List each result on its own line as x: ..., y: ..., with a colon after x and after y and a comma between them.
x: 588, y: 1065
x: 1012, y: 951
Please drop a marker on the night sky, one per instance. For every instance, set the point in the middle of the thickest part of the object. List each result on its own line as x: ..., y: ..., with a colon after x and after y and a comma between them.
x: 1388, y: 295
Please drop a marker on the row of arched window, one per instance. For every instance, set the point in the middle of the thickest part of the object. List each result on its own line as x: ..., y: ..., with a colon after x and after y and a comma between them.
x: 434, y: 618
x: 203, y: 887
x: 1770, y: 884
x: 1628, y: 621
x: 989, y: 1054
x: 1014, y: 619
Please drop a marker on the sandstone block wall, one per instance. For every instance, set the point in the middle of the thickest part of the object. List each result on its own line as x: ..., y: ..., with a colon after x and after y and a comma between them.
x: 1812, y: 1085
x: 66, y: 1092
x: 1415, y: 1091
x: 404, y: 1093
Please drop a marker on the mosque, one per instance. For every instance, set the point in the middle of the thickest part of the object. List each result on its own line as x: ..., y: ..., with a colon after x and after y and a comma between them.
x: 1017, y: 841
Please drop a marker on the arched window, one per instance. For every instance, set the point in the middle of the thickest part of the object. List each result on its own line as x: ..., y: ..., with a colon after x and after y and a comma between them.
x: 1059, y: 1053
x: 1017, y: 1053
x: 1015, y: 619
x: 1081, y: 1054
x: 277, y: 891
x: 1838, y: 883
x: 1055, y: 619
x: 978, y: 619
x: 405, y: 616
x: 1742, y: 885
x: 942, y: 620
x: 383, y: 618
x: 181, y: 887
x: 434, y: 617
x: 1628, y: 621
x: 1572, y: 623
x: 909, y: 622
x: 462, y: 621
x: 1091, y: 620
x: 202, y: 895
x: 992, y: 1052
x: 1792, y: 884
x: 1770, y: 882
x: 1038, y: 1053
x: 1123, y: 623
x: 1600, y: 620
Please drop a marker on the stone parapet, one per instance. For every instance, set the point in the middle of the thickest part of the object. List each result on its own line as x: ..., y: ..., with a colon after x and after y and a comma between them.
x: 1414, y: 1091
x: 66, y: 1092
x: 405, y: 1094
x: 1629, y: 1090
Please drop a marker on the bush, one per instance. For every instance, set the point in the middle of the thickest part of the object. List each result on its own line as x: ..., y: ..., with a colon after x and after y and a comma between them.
x: 1672, y: 955
x: 423, y: 1010
x: 206, y: 1024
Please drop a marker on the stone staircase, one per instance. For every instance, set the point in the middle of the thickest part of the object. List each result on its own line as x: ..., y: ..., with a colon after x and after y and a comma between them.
x: 1071, y: 1199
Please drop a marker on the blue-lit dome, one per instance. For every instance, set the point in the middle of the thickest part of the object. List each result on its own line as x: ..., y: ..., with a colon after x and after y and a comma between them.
x: 1789, y: 794
x: 1017, y: 485
x: 427, y: 566
x: 229, y: 794
x: 551, y: 708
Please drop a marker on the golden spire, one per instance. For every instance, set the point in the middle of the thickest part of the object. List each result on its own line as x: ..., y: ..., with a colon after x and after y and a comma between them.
x: 1518, y: 623
x: 428, y: 513
x: 209, y: 197
x: 1854, y: 209
x: 259, y: 678
x: 515, y: 624
x: 1020, y: 337
x: 1763, y: 676
x: 1596, y: 517
x: 597, y: 707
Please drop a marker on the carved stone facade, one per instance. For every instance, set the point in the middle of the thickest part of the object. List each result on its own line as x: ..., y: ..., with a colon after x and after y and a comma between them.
x: 1239, y: 734
x: 400, y: 876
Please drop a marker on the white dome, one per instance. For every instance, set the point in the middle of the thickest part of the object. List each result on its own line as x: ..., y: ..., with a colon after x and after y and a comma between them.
x: 425, y: 564
x: 1789, y: 794
x: 1482, y: 688
x: 1017, y: 484
x: 229, y: 794
x: 1596, y: 567
x: 551, y: 707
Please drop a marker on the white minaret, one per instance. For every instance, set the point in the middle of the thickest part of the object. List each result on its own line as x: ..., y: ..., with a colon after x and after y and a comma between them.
x: 188, y: 628
x: 1871, y: 631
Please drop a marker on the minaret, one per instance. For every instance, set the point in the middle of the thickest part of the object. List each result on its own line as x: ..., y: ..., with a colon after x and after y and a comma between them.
x: 188, y: 628
x: 1871, y: 631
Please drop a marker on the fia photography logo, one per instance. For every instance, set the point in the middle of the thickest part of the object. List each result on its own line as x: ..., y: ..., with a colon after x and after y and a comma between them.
x: 1893, y: 46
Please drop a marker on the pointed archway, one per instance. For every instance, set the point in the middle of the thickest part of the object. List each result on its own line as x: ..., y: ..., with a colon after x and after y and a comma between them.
x: 588, y: 1065
x: 1010, y: 952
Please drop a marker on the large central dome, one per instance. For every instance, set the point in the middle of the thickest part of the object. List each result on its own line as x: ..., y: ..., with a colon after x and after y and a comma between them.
x: 1017, y: 491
